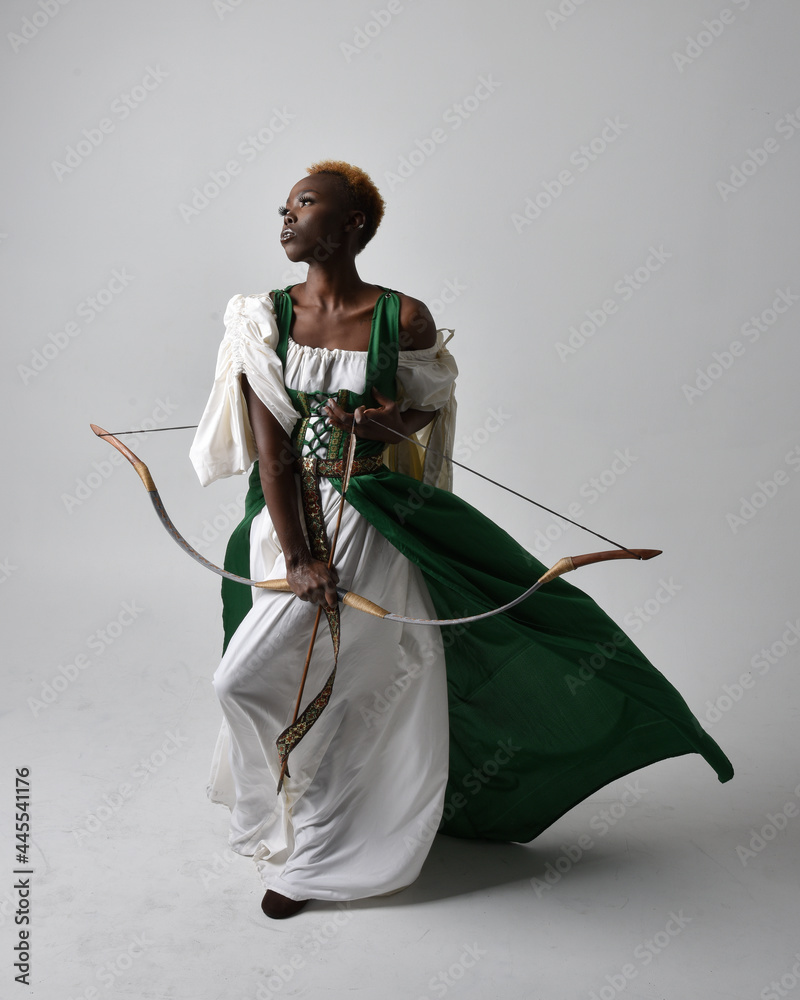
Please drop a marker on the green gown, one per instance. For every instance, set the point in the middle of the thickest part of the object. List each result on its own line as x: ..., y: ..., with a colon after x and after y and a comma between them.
x: 547, y: 702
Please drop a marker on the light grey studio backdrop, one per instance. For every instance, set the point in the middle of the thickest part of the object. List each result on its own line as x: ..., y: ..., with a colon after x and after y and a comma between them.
x: 600, y: 198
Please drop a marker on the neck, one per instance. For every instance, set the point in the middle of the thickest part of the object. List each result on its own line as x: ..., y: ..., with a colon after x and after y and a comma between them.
x: 332, y: 283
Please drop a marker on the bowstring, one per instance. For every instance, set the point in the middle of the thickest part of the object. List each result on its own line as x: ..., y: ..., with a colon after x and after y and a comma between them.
x: 502, y: 486
x: 434, y: 451
x: 149, y: 430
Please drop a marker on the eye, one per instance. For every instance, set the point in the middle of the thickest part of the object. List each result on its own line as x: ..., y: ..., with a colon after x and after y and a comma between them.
x: 304, y: 200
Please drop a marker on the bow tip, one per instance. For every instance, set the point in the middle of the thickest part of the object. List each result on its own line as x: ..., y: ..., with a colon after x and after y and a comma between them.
x: 98, y: 430
x: 647, y: 553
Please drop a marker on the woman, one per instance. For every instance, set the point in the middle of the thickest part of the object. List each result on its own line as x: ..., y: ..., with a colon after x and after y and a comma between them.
x: 490, y: 730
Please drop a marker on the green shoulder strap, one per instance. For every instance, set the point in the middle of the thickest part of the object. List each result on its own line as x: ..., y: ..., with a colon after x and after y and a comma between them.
x: 383, y: 347
x: 283, y: 304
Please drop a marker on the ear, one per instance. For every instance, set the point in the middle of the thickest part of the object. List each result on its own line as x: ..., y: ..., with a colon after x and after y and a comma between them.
x: 355, y: 220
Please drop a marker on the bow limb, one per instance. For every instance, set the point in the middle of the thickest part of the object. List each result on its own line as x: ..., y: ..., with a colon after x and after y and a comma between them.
x: 279, y: 585
x: 565, y: 565
x: 147, y: 479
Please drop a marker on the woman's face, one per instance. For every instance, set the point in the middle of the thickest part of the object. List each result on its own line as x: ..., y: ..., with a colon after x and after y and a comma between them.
x: 315, y: 221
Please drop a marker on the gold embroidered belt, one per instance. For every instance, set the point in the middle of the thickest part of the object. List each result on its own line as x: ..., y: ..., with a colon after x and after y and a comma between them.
x: 334, y: 467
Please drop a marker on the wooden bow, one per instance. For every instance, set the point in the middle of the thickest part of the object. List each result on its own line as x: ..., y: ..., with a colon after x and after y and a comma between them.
x: 347, y: 597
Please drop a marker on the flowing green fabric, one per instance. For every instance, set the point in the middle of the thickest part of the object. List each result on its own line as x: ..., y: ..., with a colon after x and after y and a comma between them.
x: 547, y: 702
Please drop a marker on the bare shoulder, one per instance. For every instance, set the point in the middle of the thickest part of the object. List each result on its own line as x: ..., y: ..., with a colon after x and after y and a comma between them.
x: 417, y: 325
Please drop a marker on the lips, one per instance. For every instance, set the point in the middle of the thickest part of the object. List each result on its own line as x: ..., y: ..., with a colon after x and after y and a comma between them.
x: 287, y: 234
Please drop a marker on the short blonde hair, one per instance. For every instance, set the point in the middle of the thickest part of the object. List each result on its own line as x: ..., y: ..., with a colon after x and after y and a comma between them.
x: 361, y: 194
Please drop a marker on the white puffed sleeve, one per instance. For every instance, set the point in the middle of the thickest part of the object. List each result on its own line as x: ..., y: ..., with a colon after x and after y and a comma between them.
x: 224, y: 444
x: 426, y: 381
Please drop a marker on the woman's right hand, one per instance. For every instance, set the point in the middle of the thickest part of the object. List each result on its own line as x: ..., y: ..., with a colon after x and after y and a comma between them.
x: 312, y: 581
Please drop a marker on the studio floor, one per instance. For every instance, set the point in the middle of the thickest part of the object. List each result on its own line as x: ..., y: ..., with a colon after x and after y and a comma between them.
x: 664, y: 884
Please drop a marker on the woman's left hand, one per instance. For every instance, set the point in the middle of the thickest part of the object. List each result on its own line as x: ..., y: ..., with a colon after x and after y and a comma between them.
x: 386, y: 415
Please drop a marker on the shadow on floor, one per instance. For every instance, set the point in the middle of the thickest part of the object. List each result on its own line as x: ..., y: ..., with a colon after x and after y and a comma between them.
x: 456, y: 867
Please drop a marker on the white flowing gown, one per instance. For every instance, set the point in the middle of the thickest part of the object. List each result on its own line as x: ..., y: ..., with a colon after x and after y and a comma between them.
x: 365, y: 797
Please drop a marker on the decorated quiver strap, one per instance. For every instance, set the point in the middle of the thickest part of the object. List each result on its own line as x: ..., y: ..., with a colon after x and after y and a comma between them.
x: 320, y: 549
x: 309, y: 433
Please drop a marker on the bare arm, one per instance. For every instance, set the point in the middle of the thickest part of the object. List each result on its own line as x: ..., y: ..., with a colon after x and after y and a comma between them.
x: 380, y: 422
x: 308, y: 577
